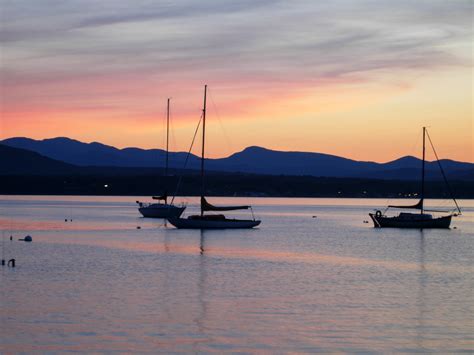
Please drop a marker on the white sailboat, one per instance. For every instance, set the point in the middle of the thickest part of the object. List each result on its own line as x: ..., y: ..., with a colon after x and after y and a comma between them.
x: 162, y: 209
x: 211, y: 221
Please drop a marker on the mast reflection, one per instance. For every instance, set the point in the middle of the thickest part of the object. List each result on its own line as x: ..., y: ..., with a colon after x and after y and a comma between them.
x: 421, y: 297
x: 202, y: 312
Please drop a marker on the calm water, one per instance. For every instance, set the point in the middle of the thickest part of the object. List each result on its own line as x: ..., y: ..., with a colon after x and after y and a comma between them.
x: 297, y: 284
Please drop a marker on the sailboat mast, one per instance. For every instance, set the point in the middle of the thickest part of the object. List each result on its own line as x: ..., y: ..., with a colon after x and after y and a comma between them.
x: 203, y: 142
x: 423, y: 172
x: 167, y: 135
x: 167, y: 144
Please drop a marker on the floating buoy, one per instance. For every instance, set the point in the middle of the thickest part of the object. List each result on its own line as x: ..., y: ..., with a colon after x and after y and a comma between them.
x: 3, y: 262
x: 11, y: 237
x: 11, y: 262
x: 65, y: 220
x: 26, y: 239
x: 315, y: 216
x: 138, y: 227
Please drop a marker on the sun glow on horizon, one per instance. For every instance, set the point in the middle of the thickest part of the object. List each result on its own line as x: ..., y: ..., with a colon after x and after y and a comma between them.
x: 360, y: 89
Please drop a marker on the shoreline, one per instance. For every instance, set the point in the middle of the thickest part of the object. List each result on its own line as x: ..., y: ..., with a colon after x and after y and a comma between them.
x: 228, y: 185
x: 237, y: 196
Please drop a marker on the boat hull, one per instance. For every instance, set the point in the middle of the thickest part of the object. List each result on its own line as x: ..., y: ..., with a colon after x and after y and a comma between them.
x: 396, y: 222
x: 161, y: 211
x: 193, y: 223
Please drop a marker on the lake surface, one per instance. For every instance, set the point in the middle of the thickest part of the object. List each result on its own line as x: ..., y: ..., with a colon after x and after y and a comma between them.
x: 313, y: 278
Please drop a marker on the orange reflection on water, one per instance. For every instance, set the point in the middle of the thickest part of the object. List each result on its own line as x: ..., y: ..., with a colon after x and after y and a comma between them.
x: 170, y: 246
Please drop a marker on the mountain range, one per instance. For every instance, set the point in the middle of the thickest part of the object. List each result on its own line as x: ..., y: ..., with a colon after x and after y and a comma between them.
x: 15, y: 161
x: 66, y: 154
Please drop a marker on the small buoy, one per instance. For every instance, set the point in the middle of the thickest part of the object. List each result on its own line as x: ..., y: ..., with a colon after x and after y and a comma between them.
x: 138, y: 227
x: 65, y: 220
x: 28, y: 238
x: 70, y: 220
x: 315, y: 216
x: 12, y: 262
x: 3, y: 262
x: 11, y: 237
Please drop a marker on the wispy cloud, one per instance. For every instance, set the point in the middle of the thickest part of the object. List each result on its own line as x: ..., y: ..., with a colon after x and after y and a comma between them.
x: 83, y: 53
x: 252, y: 35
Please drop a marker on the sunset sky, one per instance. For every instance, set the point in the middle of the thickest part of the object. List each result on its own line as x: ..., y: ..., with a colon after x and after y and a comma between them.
x: 352, y: 78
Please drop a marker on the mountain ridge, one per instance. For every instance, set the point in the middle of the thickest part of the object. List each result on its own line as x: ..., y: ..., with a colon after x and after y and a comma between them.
x: 253, y: 159
x: 16, y: 161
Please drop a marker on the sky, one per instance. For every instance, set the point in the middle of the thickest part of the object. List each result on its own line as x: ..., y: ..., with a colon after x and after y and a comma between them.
x: 357, y: 79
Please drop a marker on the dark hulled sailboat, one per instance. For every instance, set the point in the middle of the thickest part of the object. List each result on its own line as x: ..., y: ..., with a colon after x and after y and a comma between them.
x: 417, y: 220
x: 211, y: 221
x: 162, y: 209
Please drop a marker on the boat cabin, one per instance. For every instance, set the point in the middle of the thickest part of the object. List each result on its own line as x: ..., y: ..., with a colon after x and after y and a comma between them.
x: 414, y: 216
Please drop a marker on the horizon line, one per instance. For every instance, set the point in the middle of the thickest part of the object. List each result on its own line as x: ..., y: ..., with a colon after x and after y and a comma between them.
x: 235, y: 152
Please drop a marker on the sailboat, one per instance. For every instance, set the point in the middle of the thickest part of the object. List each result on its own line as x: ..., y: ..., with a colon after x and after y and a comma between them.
x: 211, y: 221
x: 162, y: 209
x: 422, y: 219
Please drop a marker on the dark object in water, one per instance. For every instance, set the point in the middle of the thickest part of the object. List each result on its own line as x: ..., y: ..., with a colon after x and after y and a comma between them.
x: 315, y: 216
x: 138, y: 227
x: 11, y: 237
x: 65, y: 220
x: 417, y: 220
x: 410, y: 220
x: 366, y: 221
x: 12, y: 262
x: 159, y: 210
x: 3, y: 262
x: 210, y: 221
x: 162, y: 210
x: 27, y: 239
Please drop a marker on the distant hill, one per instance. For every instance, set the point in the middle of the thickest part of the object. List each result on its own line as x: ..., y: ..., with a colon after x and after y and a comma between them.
x: 26, y: 172
x: 15, y: 161
x: 95, y: 154
x: 254, y: 160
